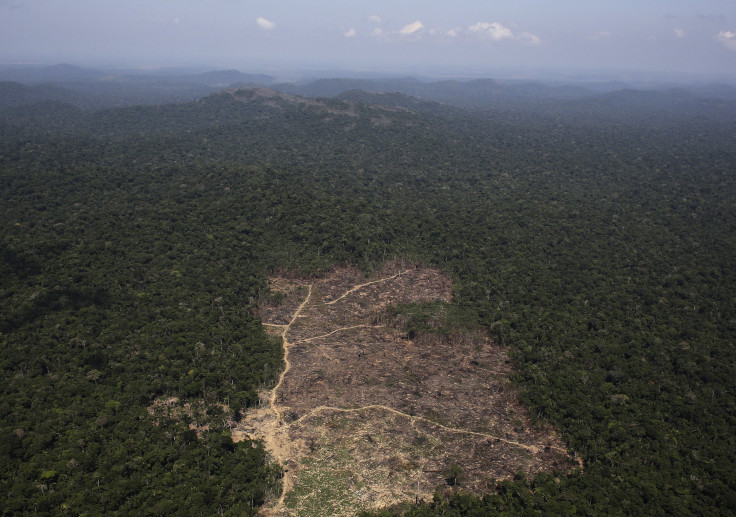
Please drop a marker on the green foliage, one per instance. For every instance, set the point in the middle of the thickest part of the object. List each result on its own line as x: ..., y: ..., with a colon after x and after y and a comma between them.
x: 136, y: 242
x: 432, y: 317
x: 454, y: 475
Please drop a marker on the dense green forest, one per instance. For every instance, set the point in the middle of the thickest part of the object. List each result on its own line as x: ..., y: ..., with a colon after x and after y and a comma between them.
x: 595, y: 238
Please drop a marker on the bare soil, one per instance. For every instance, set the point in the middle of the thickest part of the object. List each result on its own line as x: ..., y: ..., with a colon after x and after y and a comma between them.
x: 363, y: 417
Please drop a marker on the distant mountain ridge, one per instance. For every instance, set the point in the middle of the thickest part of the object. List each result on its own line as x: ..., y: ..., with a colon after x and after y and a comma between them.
x: 91, y: 89
x: 94, y: 90
x: 613, y: 101
x: 490, y: 94
x: 467, y: 94
x: 70, y: 73
x: 98, y: 89
x: 16, y: 94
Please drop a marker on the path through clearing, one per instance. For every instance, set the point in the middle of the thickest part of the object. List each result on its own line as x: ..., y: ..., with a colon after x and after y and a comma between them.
x: 363, y: 417
x: 287, y: 364
x: 532, y: 448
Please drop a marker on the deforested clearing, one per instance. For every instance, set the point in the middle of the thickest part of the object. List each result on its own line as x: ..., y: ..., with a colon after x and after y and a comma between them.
x: 367, y: 415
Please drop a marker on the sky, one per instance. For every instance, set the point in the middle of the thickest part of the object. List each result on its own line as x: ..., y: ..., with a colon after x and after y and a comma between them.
x: 473, y: 37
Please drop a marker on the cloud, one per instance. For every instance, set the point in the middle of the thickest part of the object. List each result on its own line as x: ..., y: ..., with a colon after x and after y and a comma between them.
x: 600, y: 35
x: 727, y: 39
x: 177, y: 21
x: 680, y: 33
x: 265, y: 24
x: 411, y: 28
x: 530, y: 38
x: 377, y: 33
x: 452, y: 32
x: 374, y: 18
x: 350, y: 33
x: 494, y: 30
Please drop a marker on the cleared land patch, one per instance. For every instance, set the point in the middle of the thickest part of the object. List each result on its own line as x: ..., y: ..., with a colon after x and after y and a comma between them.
x: 366, y: 415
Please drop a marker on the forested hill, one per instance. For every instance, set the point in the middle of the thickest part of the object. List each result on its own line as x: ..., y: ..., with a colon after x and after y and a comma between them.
x: 229, y: 108
x: 471, y: 94
x: 99, y: 89
x: 136, y: 242
x: 535, y: 97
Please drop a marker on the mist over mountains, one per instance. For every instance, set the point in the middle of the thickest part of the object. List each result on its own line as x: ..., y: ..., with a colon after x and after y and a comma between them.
x: 91, y: 89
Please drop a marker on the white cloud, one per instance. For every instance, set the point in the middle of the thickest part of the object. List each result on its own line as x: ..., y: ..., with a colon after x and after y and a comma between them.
x: 727, y: 38
x: 374, y: 18
x: 265, y: 24
x: 530, y: 38
x: 377, y: 33
x: 680, y: 33
x: 494, y: 30
x: 350, y: 34
x: 600, y: 35
x: 452, y: 32
x: 411, y: 28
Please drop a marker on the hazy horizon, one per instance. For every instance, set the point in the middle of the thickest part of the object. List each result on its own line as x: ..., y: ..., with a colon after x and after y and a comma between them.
x: 665, y: 39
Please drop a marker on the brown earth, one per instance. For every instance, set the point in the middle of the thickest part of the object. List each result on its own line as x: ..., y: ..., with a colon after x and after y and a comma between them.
x: 363, y: 417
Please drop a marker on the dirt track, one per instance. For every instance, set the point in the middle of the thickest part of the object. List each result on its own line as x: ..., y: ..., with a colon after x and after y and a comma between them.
x: 364, y: 417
